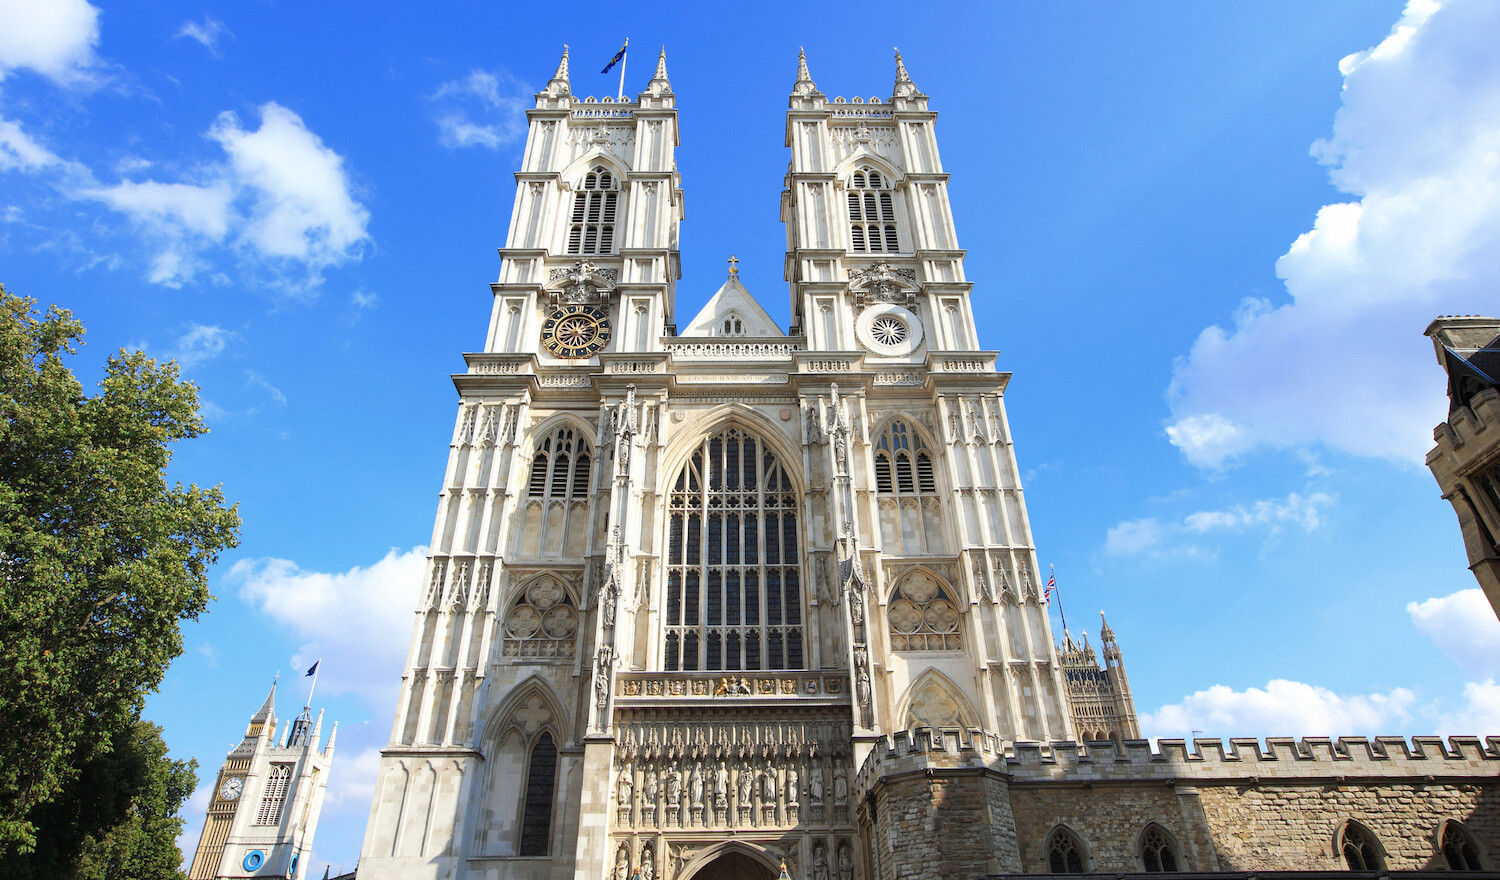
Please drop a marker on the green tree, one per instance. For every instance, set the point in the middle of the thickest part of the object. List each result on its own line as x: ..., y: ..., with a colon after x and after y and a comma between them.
x: 118, y: 820
x: 100, y: 558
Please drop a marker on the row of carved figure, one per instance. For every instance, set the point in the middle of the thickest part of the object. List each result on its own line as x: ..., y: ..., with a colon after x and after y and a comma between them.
x: 708, y: 793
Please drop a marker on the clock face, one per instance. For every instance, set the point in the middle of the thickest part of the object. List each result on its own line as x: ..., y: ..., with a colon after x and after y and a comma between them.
x: 575, y: 331
x: 232, y: 787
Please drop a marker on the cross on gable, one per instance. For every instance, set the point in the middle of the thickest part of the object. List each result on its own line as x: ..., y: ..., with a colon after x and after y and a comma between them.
x: 734, y: 265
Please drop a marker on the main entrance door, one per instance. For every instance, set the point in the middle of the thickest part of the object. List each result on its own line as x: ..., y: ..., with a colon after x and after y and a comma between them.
x: 733, y: 866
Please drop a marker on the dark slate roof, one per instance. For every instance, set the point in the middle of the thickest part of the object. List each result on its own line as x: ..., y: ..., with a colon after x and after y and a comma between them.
x: 1471, y: 371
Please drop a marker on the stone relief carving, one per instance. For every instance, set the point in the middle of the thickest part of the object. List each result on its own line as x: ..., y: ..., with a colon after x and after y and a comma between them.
x: 882, y: 284
x: 581, y: 283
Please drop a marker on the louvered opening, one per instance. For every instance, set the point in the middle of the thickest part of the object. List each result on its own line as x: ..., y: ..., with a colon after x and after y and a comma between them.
x: 609, y: 207
x: 890, y: 239
x: 859, y: 179
x: 575, y: 240
x: 581, y: 472
x: 537, y: 486
x: 579, y: 201
x: 854, y: 206
x: 596, y: 202
x: 904, y: 476
x: 882, y: 475
x: 605, y: 181
x: 859, y: 238
x: 870, y: 206
x: 606, y: 239
x: 926, y: 482
x: 591, y: 240
x: 887, y: 210
x: 874, y: 179
x: 560, y: 476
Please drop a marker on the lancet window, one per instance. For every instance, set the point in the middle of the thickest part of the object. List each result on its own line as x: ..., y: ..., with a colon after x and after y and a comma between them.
x: 924, y: 616
x: 1361, y: 850
x: 1064, y: 853
x: 903, y: 466
x: 592, y: 224
x: 555, y: 511
x: 872, y: 213
x: 733, y: 593
x: 541, y: 783
x: 1157, y: 852
x: 542, y: 623
x: 561, y: 468
x: 1459, y: 848
x: 274, y: 798
x: 733, y: 326
x: 906, y: 483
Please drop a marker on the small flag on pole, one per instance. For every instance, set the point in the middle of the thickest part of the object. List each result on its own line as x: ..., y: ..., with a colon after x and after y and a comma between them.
x: 615, y: 60
x: 312, y: 670
x: 1051, y: 585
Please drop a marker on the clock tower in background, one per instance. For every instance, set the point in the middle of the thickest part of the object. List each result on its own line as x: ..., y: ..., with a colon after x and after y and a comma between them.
x: 265, y: 804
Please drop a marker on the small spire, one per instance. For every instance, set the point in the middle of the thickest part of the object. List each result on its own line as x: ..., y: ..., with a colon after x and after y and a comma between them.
x: 562, y: 66
x: 559, y: 86
x: 901, y: 75
x: 904, y: 88
x: 660, y: 85
x: 1105, y: 633
x: 268, y: 708
x: 804, y: 85
x: 332, y: 735
x: 661, y: 65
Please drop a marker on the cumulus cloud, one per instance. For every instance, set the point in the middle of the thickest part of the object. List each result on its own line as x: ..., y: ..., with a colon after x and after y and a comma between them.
x: 1463, y: 626
x: 55, y: 38
x: 281, y: 199
x: 1281, y: 708
x: 372, y: 606
x: 1151, y: 535
x: 497, y: 99
x: 1478, y: 716
x: 1342, y: 363
x: 200, y: 343
x: 207, y: 32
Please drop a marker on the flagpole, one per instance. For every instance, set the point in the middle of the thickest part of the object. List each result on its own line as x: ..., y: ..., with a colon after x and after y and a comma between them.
x: 1058, y: 590
x: 317, y: 667
x: 624, y: 56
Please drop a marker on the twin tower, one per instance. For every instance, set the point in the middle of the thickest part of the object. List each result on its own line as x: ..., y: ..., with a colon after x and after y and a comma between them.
x: 686, y: 575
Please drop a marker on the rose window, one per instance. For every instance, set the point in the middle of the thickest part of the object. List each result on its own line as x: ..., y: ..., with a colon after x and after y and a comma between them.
x: 888, y: 330
x: 924, y: 616
x: 542, y: 623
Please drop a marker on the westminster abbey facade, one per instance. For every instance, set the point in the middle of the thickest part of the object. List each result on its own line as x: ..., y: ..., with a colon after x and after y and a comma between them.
x: 712, y: 599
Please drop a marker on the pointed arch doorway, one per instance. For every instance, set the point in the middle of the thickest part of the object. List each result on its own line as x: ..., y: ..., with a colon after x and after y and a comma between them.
x: 734, y: 865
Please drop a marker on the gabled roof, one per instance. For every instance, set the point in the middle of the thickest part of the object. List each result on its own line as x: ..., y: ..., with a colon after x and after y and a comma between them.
x: 732, y: 299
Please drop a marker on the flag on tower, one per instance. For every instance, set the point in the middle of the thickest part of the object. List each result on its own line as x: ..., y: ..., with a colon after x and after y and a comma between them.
x: 616, y: 60
x: 312, y: 670
x: 1051, y: 585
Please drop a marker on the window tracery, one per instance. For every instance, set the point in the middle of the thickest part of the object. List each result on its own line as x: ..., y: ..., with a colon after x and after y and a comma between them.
x: 592, y: 224
x: 872, y: 213
x: 1157, y: 851
x: 1459, y: 848
x: 542, y: 623
x: 1064, y: 853
x: 555, y: 511
x: 924, y: 616
x: 1361, y: 849
x: 274, y: 798
x: 906, y: 483
x: 541, y: 783
x: 733, y: 597
x: 733, y: 326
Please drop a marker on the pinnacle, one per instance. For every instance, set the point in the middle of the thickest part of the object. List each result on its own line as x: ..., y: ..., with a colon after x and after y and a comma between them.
x: 904, y: 87
x: 562, y: 66
x: 901, y: 75
x: 661, y: 66
x: 802, y: 73
x: 268, y: 708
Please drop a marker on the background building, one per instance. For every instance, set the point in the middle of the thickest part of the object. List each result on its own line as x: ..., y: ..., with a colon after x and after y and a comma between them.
x: 704, y: 604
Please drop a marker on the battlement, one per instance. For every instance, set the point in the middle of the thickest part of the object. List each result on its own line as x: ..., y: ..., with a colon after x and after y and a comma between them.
x: 1247, y: 760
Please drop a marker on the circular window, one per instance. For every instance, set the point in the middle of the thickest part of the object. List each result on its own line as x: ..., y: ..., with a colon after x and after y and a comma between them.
x: 254, y: 859
x: 889, y: 330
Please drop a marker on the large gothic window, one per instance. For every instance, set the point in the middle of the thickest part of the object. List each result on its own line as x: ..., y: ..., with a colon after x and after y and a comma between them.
x: 592, y: 225
x: 734, y: 597
x: 1459, y: 848
x: 872, y: 214
x: 541, y: 783
x: 906, y: 483
x: 1157, y: 852
x: 555, y: 510
x: 1064, y: 853
x: 274, y: 798
x: 1361, y: 850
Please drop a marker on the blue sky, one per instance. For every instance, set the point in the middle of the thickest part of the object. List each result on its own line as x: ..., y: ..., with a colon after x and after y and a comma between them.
x: 1205, y: 238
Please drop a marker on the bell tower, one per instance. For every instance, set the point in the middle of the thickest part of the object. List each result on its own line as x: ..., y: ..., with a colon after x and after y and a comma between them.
x: 266, y: 801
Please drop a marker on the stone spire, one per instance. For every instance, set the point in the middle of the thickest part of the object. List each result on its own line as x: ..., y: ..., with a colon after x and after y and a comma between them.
x: 264, y: 717
x: 659, y: 84
x: 905, y: 88
x: 804, y: 85
x: 1105, y: 633
x: 558, y: 85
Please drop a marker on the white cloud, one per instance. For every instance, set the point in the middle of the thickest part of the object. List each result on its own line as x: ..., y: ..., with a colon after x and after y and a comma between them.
x: 500, y: 99
x: 207, y: 33
x: 282, y: 200
x: 1294, y: 509
x: 1343, y: 363
x: 18, y: 152
x: 1478, y: 716
x: 1282, y: 708
x: 359, y: 621
x: 1132, y: 537
x: 256, y: 380
x: 1463, y: 626
x: 363, y: 299
x: 55, y: 38
x: 200, y: 343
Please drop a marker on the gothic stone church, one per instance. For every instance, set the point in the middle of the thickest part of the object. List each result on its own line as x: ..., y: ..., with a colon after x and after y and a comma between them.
x: 717, y: 600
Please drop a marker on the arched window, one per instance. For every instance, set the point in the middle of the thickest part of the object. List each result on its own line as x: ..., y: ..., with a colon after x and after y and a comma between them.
x: 561, y: 468
x: 274, y: 797
x: 903, y: 465
x: 592, y: 229
x: 1361, y: 849
x: 1459, y: 848
x: 872, y: 213
x: 542, y: 623
x: 1064, y: 853
x: 1157, y: 851
x: 924, y: 616
x: 541, y: 783
x: 732, y: 326
x: 734, y: 597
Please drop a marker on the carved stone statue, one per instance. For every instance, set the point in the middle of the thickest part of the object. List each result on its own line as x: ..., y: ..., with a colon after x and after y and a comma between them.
x: 820, y: 861
x: 648, y: 862
x: 815, y: 789
x: 695, y: 785
x: 622, y: 864
x: 791, y: 786
x: 846, y: 861
x: 602, y: 668
x: 650, y: 789
x: 626, y: 790
x: 721, y: 787
x: 674, y: 787
x: 768, y: 786
x: 744, y: 783
x: 840, y: 784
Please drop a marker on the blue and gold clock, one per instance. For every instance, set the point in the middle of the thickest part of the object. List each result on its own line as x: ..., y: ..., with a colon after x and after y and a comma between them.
x: 575, y: 331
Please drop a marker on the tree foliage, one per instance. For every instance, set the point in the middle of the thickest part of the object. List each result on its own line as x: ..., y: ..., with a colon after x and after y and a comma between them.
x: 100, y: 558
